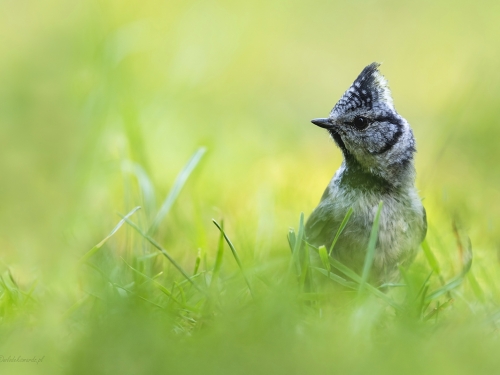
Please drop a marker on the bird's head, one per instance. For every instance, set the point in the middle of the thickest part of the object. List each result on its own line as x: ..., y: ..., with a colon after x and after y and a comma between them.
x: 367, y: 128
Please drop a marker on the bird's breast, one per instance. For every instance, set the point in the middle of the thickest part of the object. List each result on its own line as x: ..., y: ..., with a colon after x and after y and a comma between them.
x: 401, y: 224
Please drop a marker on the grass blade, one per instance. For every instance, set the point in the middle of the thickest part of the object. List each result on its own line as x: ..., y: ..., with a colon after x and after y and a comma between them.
x: 305, y: 276
x: 341, y: 229
x: 176, y: 189
x: 424, y: 285
x: 323, y: 255
x: 146, y: 187
x: 160, y: 286
x: 235, y: 254
x: 456, y: 281
x: 197, y: 262
x: 219, y: 256
x: 163, y: 251
x: 355, y: 277
x: 337, y: 278
x: 298, y: 244
x: 92, y: 251
x: 291, y: 239
x: 370, y: 252
x: 431, y: 259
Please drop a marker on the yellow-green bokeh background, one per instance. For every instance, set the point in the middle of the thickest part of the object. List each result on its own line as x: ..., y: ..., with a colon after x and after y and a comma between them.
x: 90, y: 89
x: 89, y: 86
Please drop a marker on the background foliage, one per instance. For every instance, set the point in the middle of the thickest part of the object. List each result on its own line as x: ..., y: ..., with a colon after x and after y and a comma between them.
x: 103, y: 102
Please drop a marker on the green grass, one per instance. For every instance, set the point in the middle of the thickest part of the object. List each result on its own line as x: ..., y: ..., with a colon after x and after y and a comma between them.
x: 139, y: 309
x: 198, y: 112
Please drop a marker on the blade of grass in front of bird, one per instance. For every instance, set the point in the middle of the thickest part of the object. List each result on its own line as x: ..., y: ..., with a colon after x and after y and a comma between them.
x: 337, y: 278
x: 92, y: 251
x: 298, y: 245
x: 345, y: 270
x: 341, y: 229
x: 164, y: 252
x: 370, y: 252
x: 306, y: 276
x: 235, y: 254
x: 304, y: 280
x: 357, y: 279
x: 176, y: 189
x: 294, y: 242
x: 323, y: 255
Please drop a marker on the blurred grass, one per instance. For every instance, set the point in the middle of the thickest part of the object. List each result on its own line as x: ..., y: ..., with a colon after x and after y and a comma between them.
x: 103, y: 102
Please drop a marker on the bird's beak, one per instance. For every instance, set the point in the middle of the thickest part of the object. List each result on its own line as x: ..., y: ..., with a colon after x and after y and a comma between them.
x: 325, y: 123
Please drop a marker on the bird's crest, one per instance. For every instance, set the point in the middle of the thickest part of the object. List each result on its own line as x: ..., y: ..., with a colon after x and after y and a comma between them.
x: 369, y: 90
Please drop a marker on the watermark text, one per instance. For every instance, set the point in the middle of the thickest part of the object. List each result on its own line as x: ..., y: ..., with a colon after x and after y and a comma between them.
x: 21, y: 359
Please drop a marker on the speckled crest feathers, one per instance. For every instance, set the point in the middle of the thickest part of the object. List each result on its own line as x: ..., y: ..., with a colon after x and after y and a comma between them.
x: 368, y: 90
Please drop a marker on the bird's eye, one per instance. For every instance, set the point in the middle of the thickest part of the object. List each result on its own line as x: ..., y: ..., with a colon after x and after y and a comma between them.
x: 360, y: 122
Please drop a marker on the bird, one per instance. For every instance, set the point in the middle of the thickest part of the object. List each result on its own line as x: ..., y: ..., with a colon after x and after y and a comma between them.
x: 378, y: 149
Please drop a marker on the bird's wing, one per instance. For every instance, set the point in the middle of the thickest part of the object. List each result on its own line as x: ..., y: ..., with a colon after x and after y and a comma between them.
x: 321, y: 226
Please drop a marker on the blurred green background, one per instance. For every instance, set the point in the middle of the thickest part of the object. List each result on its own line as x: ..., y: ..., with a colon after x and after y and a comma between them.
x: 89, y: 90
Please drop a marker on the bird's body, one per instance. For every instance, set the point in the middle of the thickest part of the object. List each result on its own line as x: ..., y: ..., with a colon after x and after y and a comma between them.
x: 378, y: 147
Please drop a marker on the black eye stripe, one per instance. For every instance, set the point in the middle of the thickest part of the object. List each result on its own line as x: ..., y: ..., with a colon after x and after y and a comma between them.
x: 389, y: 118
x: 391, y: 142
